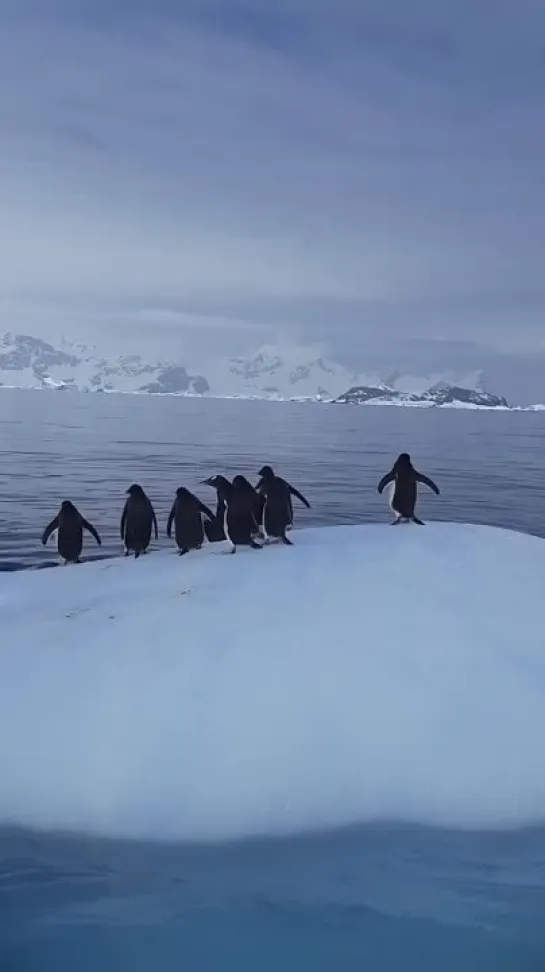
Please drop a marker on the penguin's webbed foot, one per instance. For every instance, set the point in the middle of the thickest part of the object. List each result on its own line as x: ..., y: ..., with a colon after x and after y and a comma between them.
x: 287, y: 541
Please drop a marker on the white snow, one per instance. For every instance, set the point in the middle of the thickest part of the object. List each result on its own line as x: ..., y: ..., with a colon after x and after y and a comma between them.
x: 368, y: 673
x: 279, y: 372
x: 293, y: 371
x: 417, y: 385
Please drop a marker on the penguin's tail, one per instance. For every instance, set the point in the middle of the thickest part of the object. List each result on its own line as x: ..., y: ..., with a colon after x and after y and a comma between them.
x: 286, y: 540
x: 416, y: 520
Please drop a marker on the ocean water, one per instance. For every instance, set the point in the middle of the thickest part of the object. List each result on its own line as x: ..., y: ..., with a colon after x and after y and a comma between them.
x: 378, y: 897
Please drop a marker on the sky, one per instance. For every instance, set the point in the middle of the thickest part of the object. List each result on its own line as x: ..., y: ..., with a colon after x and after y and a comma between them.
x: 212, y: 175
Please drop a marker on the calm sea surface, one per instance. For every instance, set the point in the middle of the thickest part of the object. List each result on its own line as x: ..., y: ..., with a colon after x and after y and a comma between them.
x: 374, y: 898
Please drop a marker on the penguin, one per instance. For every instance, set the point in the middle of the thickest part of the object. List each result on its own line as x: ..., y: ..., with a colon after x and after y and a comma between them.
x: 290, y: 491
x: 276, y: 511
x: 404, y: 478
x: 186, y: 514
x: 238, y: 522
x: 255, y: 500
x: 70, y: 525
x: 214, y: 528
x: 137, y: 520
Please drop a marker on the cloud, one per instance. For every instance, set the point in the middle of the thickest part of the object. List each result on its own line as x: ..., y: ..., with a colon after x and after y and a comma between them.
x: 346, y: 171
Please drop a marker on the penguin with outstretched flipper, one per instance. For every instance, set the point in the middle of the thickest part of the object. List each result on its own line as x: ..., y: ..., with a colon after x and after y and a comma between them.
x: 267, y: 471
x: 70, y: 525
x: 275, y: 518
x: 186, y: 515
x: 238, y: 519
x: 137, y: 522
x: 403, y: 479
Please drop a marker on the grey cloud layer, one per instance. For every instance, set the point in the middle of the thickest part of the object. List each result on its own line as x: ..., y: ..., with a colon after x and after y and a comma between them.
x: 352, y: 171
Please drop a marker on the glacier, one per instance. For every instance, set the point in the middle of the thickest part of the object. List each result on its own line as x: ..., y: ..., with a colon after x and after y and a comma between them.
x: 366, y: 674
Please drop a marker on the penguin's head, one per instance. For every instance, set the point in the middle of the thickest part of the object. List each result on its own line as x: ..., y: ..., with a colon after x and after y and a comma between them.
x: 403, y: 461
x: 135, y: 490
x: 216, y: 482
x: 266, y: 472
x: 241, y: 482
x: 68, y: 507
x: 182, y: 493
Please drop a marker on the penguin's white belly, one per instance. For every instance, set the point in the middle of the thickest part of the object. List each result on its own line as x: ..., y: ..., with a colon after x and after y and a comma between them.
x: 225, y: 528
x: 390, y: 493
x: 263, y: 522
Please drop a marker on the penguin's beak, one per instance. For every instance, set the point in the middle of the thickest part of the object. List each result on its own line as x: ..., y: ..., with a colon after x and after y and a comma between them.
x: 206, y: 482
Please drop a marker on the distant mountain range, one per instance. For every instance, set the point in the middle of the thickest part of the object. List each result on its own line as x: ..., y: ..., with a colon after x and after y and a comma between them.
x: 293, y: 373
x: 441, y: 394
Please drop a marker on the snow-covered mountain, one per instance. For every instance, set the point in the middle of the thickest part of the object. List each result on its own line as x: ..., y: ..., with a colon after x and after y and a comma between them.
x: 441, y: 394
x: 280, y: 372
x: 286, y: 373
x: 273, y: 372
x: 29, y: 362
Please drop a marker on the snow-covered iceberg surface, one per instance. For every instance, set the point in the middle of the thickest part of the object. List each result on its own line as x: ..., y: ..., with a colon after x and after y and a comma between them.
x: 366, y: 673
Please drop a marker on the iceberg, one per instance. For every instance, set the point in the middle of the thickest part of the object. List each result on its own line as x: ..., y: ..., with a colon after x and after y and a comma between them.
x: 366, y: 674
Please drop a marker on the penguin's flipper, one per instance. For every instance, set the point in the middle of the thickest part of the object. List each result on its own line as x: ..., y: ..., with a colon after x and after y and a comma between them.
x: 388, y: 478
x: 54, y: 525
x: 416, y: 520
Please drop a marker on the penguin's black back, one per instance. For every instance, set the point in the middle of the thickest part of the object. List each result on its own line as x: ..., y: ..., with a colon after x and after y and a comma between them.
x: 239, y: 515
x: 138, y: 523
x: 214, y: 530
x: 69, y: 532
x: 405, y: 486
x: 277, y: 515
x: 188, y: 526
x: 404, y: 498
x: 253, y: 498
